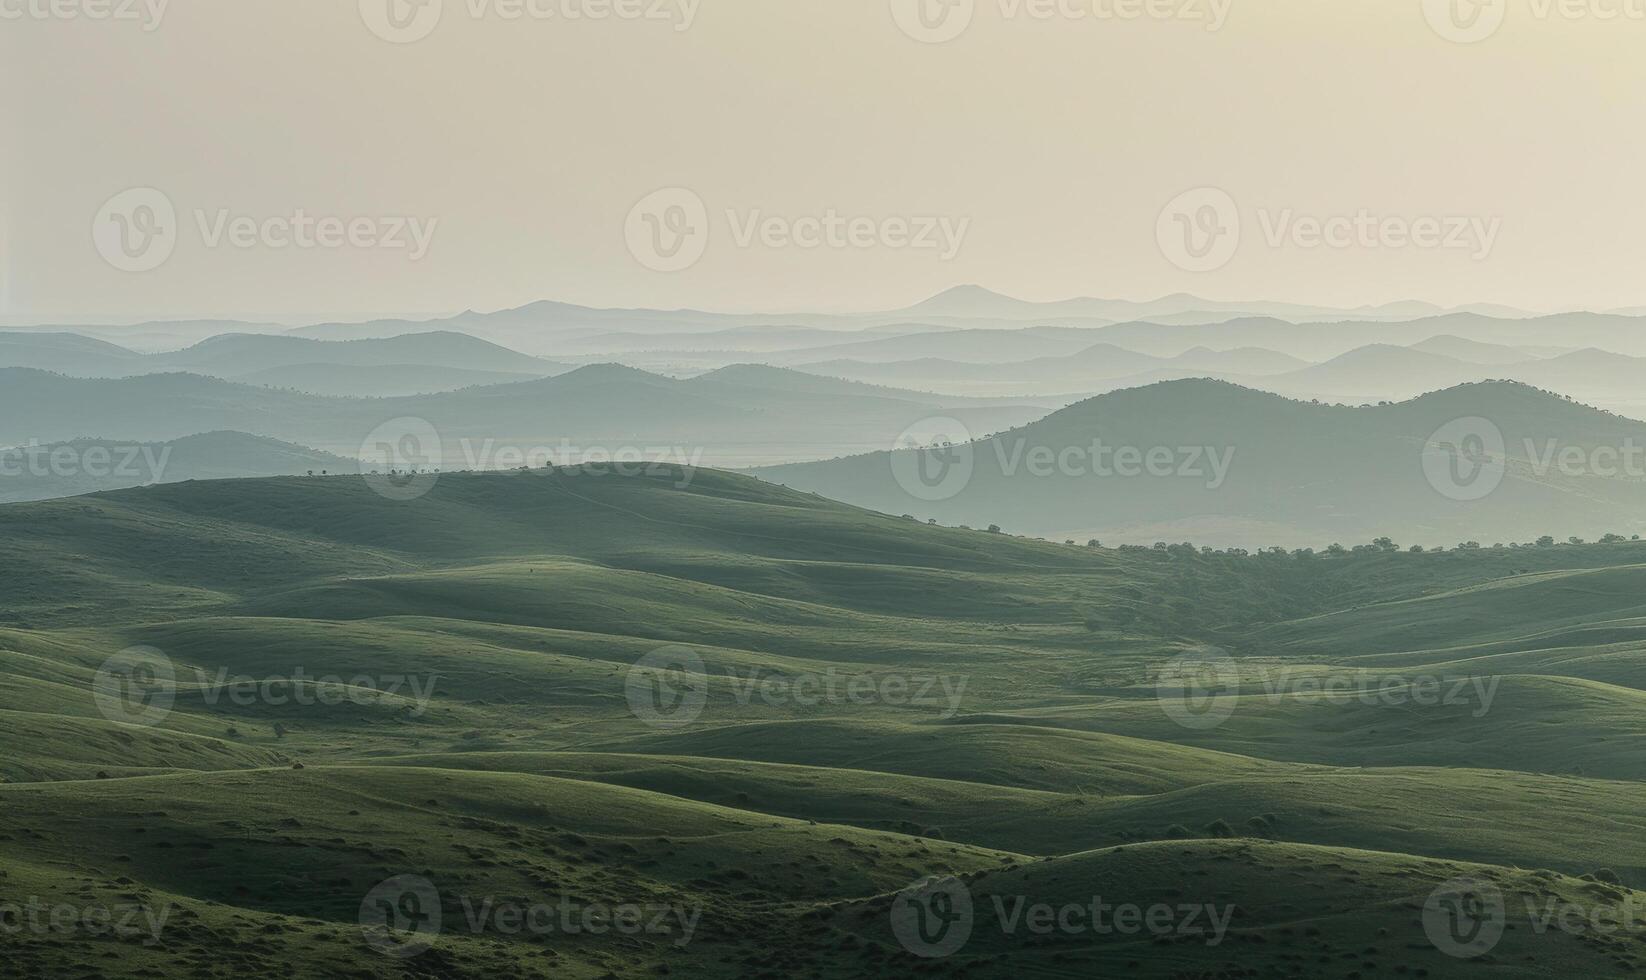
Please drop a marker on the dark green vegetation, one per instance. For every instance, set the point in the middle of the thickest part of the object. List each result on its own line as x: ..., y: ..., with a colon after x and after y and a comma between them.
x: 1008, y: 729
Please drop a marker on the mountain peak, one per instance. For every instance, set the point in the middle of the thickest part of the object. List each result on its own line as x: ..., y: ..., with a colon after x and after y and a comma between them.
x: 604, y: 373
x: 748, y: 371
x: 970, y: 290
x: 970, y: 300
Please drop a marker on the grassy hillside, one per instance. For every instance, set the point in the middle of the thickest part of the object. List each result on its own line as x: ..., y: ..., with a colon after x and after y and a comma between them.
x: 287, y: 722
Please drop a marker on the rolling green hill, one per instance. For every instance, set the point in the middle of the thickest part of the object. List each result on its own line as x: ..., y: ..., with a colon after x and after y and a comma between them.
x: 281, y: 726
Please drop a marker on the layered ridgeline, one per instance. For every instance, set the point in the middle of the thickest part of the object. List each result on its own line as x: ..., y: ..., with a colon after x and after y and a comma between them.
x: 1214, y: 463
x: 1366, y: 374
x: 557, y: 330
x: 741, y: 415
x: 1100, y: 367
x: 571, y: 724
x: 408, y: 364
x: 550, y: 327
x: 965, y: 342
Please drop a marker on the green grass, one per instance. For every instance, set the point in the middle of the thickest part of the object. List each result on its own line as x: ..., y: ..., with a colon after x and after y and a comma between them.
x: 516, y: 771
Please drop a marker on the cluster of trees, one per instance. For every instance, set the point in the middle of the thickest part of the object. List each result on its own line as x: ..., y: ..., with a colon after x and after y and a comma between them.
x: 1378, y: 546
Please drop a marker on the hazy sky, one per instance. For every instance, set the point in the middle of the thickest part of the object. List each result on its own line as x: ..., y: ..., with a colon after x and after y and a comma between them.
x: 1033, y: 152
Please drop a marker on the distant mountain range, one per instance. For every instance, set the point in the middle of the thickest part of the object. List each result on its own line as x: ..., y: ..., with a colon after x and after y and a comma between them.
x: 1384, y: 372
x: 1319, y: 341
x: 974, y: 302
x: 846, y: 388
x: 744, y: 415
x: 548, y: 327
x: 237, y: 354
x: 406, y: 364
x: 967, y: 341
x: 385, y: 380
x: 1266, y: 470
x: 1079, y: 370
x: 1365, y: 374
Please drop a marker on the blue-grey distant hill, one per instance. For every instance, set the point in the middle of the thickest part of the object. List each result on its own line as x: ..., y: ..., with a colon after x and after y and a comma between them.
x: 745, y: 415
x: 1294, y: 473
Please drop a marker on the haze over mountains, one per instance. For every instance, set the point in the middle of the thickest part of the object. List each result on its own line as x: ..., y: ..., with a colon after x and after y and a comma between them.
x: 441, y: 359
x: 1216, y: 464
x: 734, y: 416
x: 525, y: 624
x: 533, y: 327
x: 551, y: 381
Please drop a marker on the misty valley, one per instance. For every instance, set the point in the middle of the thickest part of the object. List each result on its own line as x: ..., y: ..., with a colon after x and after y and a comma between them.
x: 1016, y: 490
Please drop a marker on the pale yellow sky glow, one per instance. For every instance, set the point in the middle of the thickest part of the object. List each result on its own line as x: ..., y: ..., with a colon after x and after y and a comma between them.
x: 842, y: 160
